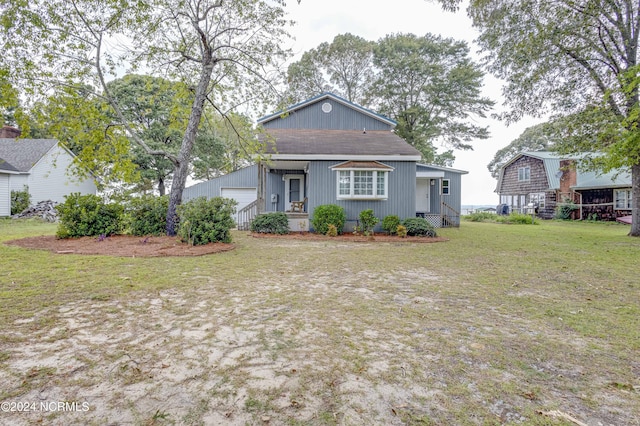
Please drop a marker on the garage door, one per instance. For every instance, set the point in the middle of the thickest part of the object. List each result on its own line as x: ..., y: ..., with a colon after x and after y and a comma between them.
x: 243, y: 196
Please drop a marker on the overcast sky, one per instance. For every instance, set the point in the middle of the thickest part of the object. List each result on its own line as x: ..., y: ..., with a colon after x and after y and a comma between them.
x: 321, y: 20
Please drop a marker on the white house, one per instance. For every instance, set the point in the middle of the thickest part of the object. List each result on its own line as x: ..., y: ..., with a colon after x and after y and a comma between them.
x: 42, y: 165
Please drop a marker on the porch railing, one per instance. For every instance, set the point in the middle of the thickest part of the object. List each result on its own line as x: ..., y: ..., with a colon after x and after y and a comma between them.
x: 246, y: 215
x: 450, y: 216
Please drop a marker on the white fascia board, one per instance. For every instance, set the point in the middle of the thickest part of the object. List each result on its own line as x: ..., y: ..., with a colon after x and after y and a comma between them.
x: 343, y: 157
x: 430, y: 174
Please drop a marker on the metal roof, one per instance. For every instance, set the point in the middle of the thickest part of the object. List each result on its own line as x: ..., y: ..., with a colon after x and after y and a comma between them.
x: 327, y: 95
x: 23, y: 154
x: 585, y: 179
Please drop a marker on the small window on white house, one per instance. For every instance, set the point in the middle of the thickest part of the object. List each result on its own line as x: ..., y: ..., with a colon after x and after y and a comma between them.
x: 524, y: 174
x: 623, y: 199
x: 445, y: 186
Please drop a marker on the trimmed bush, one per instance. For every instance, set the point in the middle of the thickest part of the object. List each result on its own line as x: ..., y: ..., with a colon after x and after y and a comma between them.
x: 328, y: 214
x: 418, y: 226
x: 147, y: 215
x: 401, y: 231
x: 390, y: 224
x: 20, y: 200
x: 88, y: 215
x: 367, y: 221
x: 204, y: 221
x: 271, y: 223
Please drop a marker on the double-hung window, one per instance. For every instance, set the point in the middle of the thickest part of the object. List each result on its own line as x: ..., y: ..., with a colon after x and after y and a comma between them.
x: 445, y: 186
x: 622, y: 199
x: 362, y: 183
x: 524, y: 174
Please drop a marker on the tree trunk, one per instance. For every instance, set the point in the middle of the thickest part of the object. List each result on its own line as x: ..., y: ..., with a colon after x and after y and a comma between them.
x: 161, y: 188
x: 181, y: 170
x: 635, y: 201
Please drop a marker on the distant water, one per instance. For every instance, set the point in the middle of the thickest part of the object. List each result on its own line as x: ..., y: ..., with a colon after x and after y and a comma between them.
x: 470, y: 208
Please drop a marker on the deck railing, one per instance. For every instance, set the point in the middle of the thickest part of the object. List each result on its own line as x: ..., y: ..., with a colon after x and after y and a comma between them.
x: 450, y: 216
x: 246, y: 215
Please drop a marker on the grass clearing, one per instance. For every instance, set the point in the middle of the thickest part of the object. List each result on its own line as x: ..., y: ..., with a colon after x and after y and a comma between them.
x: 497, y: 325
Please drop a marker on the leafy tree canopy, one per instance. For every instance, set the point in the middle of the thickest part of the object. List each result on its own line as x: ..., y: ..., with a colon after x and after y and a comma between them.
x: 584, y: 72
x: 225, y: 52
x: 428, y: 84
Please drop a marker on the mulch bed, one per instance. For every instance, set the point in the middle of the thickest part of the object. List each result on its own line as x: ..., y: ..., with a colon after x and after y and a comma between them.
x: 377, y: 238
x: 121, y: 245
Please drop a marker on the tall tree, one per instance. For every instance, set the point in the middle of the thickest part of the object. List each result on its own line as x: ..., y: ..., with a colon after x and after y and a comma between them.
x: 157, y: 109
x: 225, y: 51
x: 584, y: 70
x: 224, y: 146
x: 430, y: 86
x: 342, y: 66
x: 84, y: 123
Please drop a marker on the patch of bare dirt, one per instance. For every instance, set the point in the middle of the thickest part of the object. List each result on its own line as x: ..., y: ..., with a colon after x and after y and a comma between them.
x: 381, y: 237
x: 121, y: 246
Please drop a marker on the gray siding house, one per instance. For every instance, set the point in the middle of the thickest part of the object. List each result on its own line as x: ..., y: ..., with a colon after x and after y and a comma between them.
x: 327, y: 150
x: 42, y: 166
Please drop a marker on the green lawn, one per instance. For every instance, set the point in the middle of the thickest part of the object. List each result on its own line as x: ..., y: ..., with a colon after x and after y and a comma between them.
x: 500, y: 324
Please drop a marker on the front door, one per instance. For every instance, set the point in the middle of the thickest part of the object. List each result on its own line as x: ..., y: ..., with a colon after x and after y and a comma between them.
x: 293, y: 189
x: 423, y: 191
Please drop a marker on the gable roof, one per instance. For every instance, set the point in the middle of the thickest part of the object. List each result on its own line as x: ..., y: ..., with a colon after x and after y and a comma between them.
x: 289, y: 144
x: 324, y: 96
x: 6, y: 167
x: 365, y: 165
x: 585, y: 179
x: 23, y: 154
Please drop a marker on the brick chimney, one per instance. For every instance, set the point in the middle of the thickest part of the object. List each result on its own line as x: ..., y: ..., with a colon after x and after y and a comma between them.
x: 9, y: 132
x: 569, y: 176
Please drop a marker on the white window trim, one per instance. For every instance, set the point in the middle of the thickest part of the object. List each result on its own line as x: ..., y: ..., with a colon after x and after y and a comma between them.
x: 351, y: 195
x: 627, y: 199
x: 287, y: 183
x: 524, y: 172
x: 448, y: 187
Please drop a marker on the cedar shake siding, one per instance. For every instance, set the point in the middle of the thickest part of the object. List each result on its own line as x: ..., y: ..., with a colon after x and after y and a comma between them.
x: 553, y: 179
x: 517, y: 193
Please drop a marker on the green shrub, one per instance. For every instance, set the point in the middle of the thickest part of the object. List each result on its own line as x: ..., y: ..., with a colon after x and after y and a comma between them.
x: 332, y: 231
x: 88, y: 215
x: 390, y: 224
x: 367, y: 221
x: 481, y: 217
x: 328, y: 214
x: 419, y: 226
x: 401, y: 231
x: 564, y: 210
x: 204, y: 221
x: 516, y: 218
x: 271, y: 223
x: 147, y: 215
x: 20, y: 200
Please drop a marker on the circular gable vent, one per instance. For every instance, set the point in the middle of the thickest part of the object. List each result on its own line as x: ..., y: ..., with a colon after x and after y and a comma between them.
x: 326, y: 107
